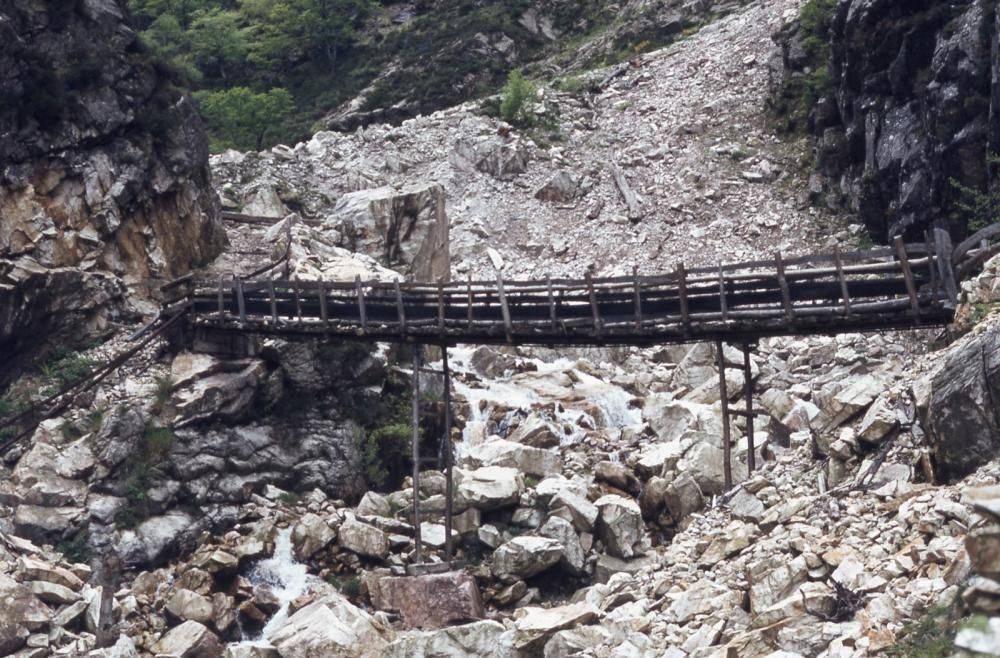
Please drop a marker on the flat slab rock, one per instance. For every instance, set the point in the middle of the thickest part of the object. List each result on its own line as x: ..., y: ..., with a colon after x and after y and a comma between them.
x: 431, y: 601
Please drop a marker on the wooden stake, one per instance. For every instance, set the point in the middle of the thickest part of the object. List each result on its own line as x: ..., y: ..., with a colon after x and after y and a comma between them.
x: 682, y: 291
x: 932, y: 269
x: 222, y: 307
x: 322, y: 303
x: 552, y: 303
x: 904, y: 265
x: 727, y: 467
x: 274, y: 301
x: 786, y: 298
x: 943, y: 248
x: 593, y: 305
x: 362, y: 311
x: 722, y: 296
x: 637, y: 295
x: 415, y: 445
x: 241, y: 304
x: 844, y: 294
x: 449, y: 489
x: 503, y: 308
x: 399, y: 307
x: 470, y: 301
x: 440, y: 301
x: 748, y: 392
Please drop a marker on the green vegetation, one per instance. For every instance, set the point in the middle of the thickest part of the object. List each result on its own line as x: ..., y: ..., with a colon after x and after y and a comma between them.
x: 349, y: 586
x: 930, y: 636
x: 138, y: 473
x: 381, y: 448
x: 64, y: 369
x: 289, y: 498
x: 165, y: 385
x: 77, y: 547
x: 978, y: 208
x: 241, y: 118
x: 517, y: 100
x: 801, y: 91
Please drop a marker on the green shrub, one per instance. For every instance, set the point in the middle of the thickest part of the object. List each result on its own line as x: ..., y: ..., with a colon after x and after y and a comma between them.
x: 801, y: 92
x: 77, y: 547
x: 349, y: 586
x: 165, y: 385
x: 65, y: 369
x: 517, y: 99
x: 979, y: 209
x: 157, y: 442
x: 289, y: 498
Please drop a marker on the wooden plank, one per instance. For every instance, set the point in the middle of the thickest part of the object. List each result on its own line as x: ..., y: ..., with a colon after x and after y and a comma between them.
x: 298, y: 302
x: 631, y: 200
x: 503, y: 308
x: 362, y: 310
x: 448, y: 457
x: 722, y: 297
x: 638, y: 299
x: 942, y: 243
x: 273, y: 300
x: 682, y: 291
x: 400, y: 312
x: 844, y: 293
x: 241, y: 304
x: 976, y: 238
x: 786, y: 298
x: 598, y: 329
x: 904, y: 265
x: 321, y: 291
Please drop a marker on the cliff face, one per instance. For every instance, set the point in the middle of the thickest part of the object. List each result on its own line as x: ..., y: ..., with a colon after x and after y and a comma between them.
x: 104, y: 180
x: 912, y: 103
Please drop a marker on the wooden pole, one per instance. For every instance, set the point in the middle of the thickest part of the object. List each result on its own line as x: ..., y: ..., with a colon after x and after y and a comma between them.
x: 503, y: 308
x: 723, y: 306
x: 440, y: 301
x: 418, y: 558
x: 637, y: 296
x: 399, y: 308
x: 322, y: 304
x: 449, y: 488
x: 786, y: 297
x: 469, y: 288
x: 748, y: 391
x: 845, y: 295
x: 552, y: 302
x: 274, y: 301
x: 241, y: 303
x: 593, y: 304
x: 904, y: 265
x: 222, y: 307
x: 362, y: 311
x: 727, y: 467
x: 682, y: 291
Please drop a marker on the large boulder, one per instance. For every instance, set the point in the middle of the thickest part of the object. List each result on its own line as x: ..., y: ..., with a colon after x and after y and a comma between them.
x: 491, y: 487
x: 22, y: 614
x: 479, y: 638
x: 962, y: 417
x: 189, y: 640
x: 527, y: 459
x: 363, y: 539
x: 430, y: 601
x: 620, y: 526
x: 525, y: 557
x: 405, y: 229
x: 330, y: 628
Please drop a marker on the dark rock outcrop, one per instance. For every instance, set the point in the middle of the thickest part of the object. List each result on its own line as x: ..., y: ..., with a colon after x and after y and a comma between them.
x: 910, y: 102
x: 104, y: 176
x: 963, y: 414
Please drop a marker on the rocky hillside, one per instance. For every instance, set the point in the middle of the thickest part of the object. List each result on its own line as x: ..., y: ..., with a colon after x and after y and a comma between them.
x: 906, y: 101
x: 257, y: 503
x: 105, y: 184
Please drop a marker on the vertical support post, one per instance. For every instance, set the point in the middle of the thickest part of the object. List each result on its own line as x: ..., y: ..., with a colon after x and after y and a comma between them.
x: 503, y: 308
x: 552, y: 302
x: 844, y: 294
x: 637, y: 294
x: 469, y: 287
x: 274, y: 301
x: 399, y: 308
x: 440, y: 300
x: 723, y: 305
x: 240, y: 302
x: 786, y: 296
x: 448, y: 456
x: 931, y: 269
x: 682, y: 291
x: 322, y: 304
x: 727, y: 467
x: 942, y: 247
x: 598, y: 325
x: 288, y: 249
x: 748, y: 392
x: 904, y: 265
x: 416, y: 455
x: 362, y: 311
x: 222, y: 305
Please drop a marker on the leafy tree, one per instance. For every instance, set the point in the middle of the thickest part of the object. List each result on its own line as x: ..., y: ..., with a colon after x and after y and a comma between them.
x: 218, y: 42
x: 517, y: 98
x: 241, y: 118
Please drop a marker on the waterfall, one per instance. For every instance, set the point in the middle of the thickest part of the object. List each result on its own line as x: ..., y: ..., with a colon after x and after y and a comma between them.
x: 286, y: 578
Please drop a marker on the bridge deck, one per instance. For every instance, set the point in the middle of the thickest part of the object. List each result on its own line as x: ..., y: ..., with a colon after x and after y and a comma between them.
x: 899, y: 287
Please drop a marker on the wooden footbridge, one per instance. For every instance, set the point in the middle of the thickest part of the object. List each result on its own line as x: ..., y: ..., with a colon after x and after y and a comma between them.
x: 900, y: 287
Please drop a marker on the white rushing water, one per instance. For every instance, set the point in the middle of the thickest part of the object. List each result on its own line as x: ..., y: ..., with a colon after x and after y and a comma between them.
x: 550, y: 382
x: 285, y: 577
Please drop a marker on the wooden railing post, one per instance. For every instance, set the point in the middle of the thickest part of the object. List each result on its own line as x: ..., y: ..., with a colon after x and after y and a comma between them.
x: 727, y: 466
